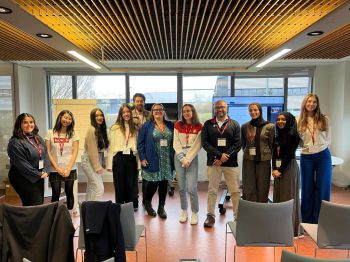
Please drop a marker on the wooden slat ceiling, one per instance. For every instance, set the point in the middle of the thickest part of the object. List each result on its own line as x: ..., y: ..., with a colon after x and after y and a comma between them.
x: 335, y: 45
x: 19, y: 46
x: 180, y: 29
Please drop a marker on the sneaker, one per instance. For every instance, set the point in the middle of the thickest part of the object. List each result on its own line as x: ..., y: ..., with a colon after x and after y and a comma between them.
x: 183, y: 217
x: 194, y: 219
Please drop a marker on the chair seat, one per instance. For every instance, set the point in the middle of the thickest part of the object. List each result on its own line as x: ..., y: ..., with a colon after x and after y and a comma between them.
x: 138, y: 233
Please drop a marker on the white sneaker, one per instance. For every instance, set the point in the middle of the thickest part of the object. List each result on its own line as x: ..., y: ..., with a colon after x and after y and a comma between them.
x: 183, y: 217
x: 194, y: 219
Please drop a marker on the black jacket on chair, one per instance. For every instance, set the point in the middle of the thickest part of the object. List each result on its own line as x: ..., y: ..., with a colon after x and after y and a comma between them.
x: 39, y: 233
x: 102, y: 231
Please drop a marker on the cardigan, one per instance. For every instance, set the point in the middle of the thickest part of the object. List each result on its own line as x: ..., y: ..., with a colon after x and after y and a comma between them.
x: 92, y: 149
x: 147, y: 149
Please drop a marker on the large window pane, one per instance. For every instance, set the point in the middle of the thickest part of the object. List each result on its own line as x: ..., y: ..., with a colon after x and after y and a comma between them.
x: 298, y: 87
x: 61, y: 87
x: 6, y: 118
x: 109, y: 91
x: 259, y: 87
x: 199, y: 91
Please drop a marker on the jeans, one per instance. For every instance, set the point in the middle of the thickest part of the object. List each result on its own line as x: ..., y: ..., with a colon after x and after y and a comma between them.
x: 187, y: 179
x: 231, y: 175
x: 95, y: 187
x: 316, y: 183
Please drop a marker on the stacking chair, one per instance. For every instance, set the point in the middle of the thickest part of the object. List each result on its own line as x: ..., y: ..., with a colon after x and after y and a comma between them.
x: 131, y: 231
x: 333, y: 228
x: 291, y: 257
x: 262, y: 225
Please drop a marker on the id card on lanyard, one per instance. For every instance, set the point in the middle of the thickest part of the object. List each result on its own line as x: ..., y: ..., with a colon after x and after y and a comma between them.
x: 222, y: 140
x: 163, y: 141
x: 251, y: 138
x: 38, y: 147
x: 278, y: 160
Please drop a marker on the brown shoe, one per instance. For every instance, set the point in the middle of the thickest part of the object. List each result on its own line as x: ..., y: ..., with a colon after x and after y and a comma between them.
x: 209, y: 222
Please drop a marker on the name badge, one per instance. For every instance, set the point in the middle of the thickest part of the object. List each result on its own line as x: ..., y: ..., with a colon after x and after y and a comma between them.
x: 252, y: 151
x: 278, y: 163
x: 313, y: 149
x: 221, y: 141
x: 60, y: 160
x: 163, y: 142
x: 185, y: 150
x: 126, y: 151
x: 105, y: 153
x: 41, y: 164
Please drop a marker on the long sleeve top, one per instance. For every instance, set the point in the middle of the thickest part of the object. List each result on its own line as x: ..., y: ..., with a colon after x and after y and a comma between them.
x: 187, y: 141
x: 91, y: 148
x: 314, y: 138
x: 24, y: 157
x: 231, y: 132
x: 119, y: 142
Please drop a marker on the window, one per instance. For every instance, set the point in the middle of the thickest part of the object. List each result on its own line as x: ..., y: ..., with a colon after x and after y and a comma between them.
x: 6, y: 117
x: 61, y: 87
x: 199, y: 91
x: 298, y: 87
x: 259, y: 87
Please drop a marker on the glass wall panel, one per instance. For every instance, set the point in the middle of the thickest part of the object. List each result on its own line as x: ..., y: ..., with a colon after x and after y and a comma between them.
x: 298, y: 87
x: 259, y: 87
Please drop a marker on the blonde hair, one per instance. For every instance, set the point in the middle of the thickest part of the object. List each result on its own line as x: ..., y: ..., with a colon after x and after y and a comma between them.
x: 320, y: 119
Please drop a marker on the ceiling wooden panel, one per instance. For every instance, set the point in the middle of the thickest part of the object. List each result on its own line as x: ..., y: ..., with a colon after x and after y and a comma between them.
x: 179, y: 29
x: 335, y: 45
x: 16, y: 45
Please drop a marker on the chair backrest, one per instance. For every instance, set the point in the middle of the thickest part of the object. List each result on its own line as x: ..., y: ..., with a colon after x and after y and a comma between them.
x: 291, y: 257
x: 127, y: 220
x: 264, y: 224
x: 334, y: 226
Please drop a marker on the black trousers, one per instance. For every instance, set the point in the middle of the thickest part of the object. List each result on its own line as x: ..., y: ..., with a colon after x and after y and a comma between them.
x: 31, y: 194
x: 124, y: 177
x: 151, y: 188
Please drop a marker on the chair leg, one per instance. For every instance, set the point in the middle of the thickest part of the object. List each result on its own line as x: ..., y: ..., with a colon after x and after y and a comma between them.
x: 137, y: 256
x: 146, y: 242
x: 274, y: 254
x: 225, y: 242
x: 315, y: 252
x: 234, y: 257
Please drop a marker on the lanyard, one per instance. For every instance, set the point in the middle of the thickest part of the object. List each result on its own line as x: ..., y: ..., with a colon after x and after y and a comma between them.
x: 219, y: 129
x: 188, y: 132
x: 161, y: 129
x: 127, y: 139
x: 312, y: 133
x: 38, y: 146
x: 251, y: 135
x: 61, y: 142
x: 140, y: 119
x: 278, y: 151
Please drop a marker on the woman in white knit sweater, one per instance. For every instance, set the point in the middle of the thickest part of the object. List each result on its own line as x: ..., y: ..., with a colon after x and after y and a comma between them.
x: 187, y: 143
x: 122, y: 152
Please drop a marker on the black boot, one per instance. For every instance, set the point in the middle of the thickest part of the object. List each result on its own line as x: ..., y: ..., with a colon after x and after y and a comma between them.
x: 150, y: 211
x: 161, y: 212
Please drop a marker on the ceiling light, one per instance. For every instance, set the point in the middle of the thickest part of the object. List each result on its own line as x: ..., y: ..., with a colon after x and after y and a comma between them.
x: 43, y: 35
x: 274, y: 57
x: 84, y: 59
x: 5, y: 10
x: 315, y: 33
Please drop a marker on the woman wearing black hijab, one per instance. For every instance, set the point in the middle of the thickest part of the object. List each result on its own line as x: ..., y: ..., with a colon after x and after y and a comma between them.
x: 257, y: 142
x: 285, y: 167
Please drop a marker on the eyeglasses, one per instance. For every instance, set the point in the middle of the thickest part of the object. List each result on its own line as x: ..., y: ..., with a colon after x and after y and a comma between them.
x: 220, y: 107
x: 158, y: 110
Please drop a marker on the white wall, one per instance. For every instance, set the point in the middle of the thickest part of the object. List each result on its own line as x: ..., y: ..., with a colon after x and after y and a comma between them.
x: 333, y: 88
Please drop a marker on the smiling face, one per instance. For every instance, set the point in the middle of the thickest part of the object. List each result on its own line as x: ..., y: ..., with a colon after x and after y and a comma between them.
x: 187, y: 114
x: 254, y: 111
x: 126, y: 114
x: 99, y: 117
x: 158, y: 112
x: 311, y: 104
x: 27, y: 125
x: 220, y: 109
x: 66, y: 120
x: 281, y: 121
x: 139, y: 103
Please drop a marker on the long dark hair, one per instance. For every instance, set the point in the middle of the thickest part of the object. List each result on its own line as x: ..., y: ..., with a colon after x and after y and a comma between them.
x: 120, y: 120
x: 101, y: 130
x: 194, y: 119
x: 58, y: 124
x: 17, y: 130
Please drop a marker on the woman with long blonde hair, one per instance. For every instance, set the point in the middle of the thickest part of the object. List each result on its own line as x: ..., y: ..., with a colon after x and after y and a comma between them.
x: 315, y: 159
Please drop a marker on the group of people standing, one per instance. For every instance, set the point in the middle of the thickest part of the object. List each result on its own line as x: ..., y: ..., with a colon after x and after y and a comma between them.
x: 147, y: 141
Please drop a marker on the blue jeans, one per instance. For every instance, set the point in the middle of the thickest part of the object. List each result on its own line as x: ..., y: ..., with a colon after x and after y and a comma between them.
x: 316, y: 183
x: 187, y: 179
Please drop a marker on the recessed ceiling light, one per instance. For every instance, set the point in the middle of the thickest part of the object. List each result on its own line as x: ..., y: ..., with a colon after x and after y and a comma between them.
x: 315, y: 33
x: 44, y: 35
x: 5, y: 10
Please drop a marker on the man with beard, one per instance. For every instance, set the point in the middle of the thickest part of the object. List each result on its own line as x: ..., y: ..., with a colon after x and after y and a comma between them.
x: 221, y: 139
x: 140, y: 115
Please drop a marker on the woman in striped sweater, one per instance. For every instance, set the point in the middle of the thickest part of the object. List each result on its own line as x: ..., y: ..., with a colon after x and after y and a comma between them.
x: 187, y: 143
